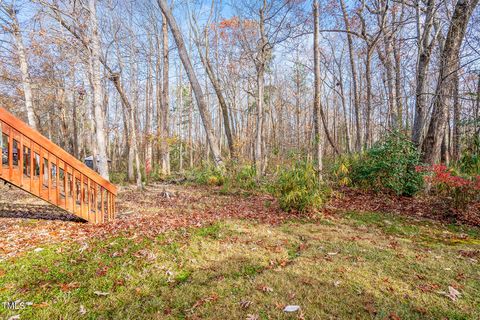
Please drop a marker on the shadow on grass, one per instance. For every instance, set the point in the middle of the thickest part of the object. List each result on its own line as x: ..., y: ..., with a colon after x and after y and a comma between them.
x: 35, y: 211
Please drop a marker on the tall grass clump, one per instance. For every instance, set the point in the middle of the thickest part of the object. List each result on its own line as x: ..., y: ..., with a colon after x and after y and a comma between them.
x: 298, y: 188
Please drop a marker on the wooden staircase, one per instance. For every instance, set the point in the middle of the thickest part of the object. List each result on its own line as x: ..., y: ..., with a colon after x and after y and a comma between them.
x: 35, y: 164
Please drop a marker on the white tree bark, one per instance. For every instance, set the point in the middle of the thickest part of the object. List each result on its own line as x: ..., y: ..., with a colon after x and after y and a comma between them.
x: 97, y: 89
x: 26, y: 79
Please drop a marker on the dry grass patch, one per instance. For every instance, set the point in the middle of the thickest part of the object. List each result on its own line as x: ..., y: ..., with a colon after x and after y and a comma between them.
x: 351, y: 266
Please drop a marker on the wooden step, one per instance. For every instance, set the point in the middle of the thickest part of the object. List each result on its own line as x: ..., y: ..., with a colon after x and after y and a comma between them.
x: 35, y: 164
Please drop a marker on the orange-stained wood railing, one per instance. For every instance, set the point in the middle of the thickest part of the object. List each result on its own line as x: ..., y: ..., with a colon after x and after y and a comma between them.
x: 37, y: 165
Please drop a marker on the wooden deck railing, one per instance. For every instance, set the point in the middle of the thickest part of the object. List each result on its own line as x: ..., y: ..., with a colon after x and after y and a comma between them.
x: 35, y: 164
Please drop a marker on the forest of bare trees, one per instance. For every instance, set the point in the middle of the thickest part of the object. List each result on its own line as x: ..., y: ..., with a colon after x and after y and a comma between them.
x: 160, y: 87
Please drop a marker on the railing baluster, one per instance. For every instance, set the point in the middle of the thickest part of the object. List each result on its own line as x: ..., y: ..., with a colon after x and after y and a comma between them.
x: 1, y: 148
x: 10, y: 154
x: 20, y: 159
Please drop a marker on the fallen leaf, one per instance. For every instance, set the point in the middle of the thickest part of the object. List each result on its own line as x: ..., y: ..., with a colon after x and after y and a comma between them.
x: 65, y: 287
x: 394, y: 316
x: 82, y: 309
x: 264, y: 288
x: 41, y: 305
x: 453, y: 293
x: 100, y: 293
x: 245, y: 304
x: 291, y: 308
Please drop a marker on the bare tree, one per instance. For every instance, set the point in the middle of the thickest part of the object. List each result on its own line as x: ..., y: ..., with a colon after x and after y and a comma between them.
x: 197, y: 89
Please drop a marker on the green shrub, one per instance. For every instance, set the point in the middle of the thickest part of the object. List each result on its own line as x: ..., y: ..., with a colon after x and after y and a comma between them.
x: 389, y: 165
x: 207, y: 175
x: 244, y: 178
x: 118, y: 177
x: 470, y: 160
x: 297, y: 188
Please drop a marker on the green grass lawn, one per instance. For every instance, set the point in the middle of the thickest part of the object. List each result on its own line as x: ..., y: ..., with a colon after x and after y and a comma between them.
x: 350, y: 266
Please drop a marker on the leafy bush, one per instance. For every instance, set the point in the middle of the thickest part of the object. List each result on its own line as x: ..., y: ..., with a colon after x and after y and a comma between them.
x: 207, y: 175
x: 444, y: 182
x: 118, y: 177
x: 470, y: 160
x: 340, y: 171
x: 297, y: 188
x: 389, y: 165
x: 243, y: 177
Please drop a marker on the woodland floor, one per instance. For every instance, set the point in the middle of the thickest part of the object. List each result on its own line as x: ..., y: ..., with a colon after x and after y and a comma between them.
x: 203, y: 254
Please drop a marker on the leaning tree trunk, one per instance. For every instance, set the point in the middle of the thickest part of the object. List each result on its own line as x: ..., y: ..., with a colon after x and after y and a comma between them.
x: 448, y: 66
x: 221, y: 100
x: 197, y: 89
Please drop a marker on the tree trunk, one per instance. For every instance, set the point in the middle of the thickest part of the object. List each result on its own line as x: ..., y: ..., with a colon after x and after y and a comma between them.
x: 477, y: 111
x: 456, y: 117
x: 448, y: 66
x: 316, y: 102
x: 26, y: 79
x: 97, y: 89
x: 148, y: 118
x: 356, y: 103
x: 202, y: 106
x: 368, y: 79
x: 259, y: 127
x: 165, y: 107
x: 424, y: 54
x: 221, y: 100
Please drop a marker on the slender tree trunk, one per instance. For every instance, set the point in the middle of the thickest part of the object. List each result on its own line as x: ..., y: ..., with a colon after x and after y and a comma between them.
x: 356, y: 103
x: 425, y: 49
x: 164, y: 147
x: 398, y: 79
x: 202, y: 105
x: 386, y: 59
x: 477, y: 110
x: 368, y: 79
x: 456, y: 117
x: 316, y: 102
x: 190, y: 125
x: 148, y: 118
x: 26, y: 79
x: 259, y: 127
